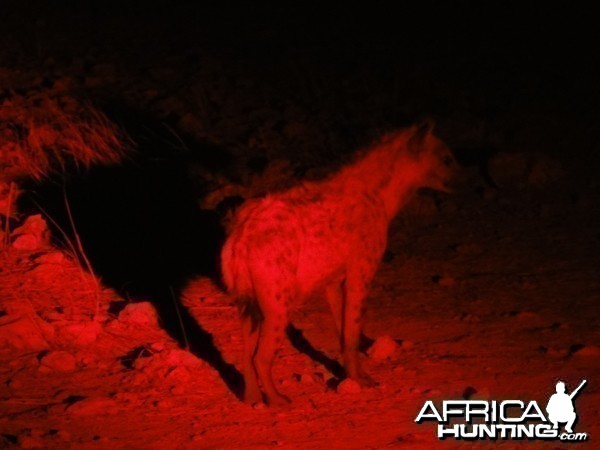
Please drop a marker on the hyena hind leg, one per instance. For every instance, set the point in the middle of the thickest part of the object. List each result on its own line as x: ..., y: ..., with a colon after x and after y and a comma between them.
x: 250, y: 330
x: 334, y: 294
x: 272, y: 332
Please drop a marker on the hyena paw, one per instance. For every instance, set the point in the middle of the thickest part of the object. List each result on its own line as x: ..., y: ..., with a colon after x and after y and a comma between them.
x: 252, y: 397
x: 278, y: 400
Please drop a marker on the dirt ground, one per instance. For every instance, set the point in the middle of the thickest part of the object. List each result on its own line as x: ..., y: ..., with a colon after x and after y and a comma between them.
x: 489, y: 293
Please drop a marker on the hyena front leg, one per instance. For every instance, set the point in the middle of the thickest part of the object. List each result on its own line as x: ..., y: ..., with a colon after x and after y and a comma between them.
x: 250, y: 331
x: 354, y: 308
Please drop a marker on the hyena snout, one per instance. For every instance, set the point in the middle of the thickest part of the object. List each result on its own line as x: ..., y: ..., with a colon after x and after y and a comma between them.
x: 440, y: 170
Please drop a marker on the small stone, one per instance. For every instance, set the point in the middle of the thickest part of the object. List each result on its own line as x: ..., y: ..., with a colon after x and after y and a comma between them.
x: 588, y: 350
x: 166, y: 403
x: 24, y: 334
x: 179, y: 375
x: 407, y: 345
x: 31, y: 442
x: 196, y: 437
x: 26, y: 242
x: 382, y: 348
x: 63, y: 435
x: 59, y: 361
x: 157, y: 346
x: 444, y: 280
x: 51, y: 258
x: 348, y: 386
x: 142, y: 313
x: 306, y: 379
x: 81, y: 334
x: 177, y: 357
x: 93, y: 406
x: 33, y: 234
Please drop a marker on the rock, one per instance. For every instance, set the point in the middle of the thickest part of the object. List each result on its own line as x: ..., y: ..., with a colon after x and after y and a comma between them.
x: 142, y: 313
x: 63, y: 435
x: 81, y: 334
x: 179, y: 375
x: 177, y: 357
x: 23, y: 333
x: 25, y: 242
x: 196, y: 437
x: 588, y: 350
x: 59, y: 361
x: 348, y: 386
x: 407, y: 345
x: 382, y: 348
x: 306, y: 378
x: 165, y: 403
x: 157, y: 347
x: 93, y: 406
x: 444, y: 280
x: 33, y: 234
x: 51, y: 258
x: 31, y: 442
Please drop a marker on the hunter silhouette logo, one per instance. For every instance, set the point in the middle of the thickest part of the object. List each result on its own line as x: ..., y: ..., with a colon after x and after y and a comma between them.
x: 507, y: 419
x: 560, y: 407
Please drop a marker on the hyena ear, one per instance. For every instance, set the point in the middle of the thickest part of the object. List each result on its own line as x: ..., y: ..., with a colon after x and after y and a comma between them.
x: 420, y: 131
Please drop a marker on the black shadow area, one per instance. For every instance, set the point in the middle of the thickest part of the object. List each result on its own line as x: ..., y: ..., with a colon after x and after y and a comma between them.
x: 300, y: 343
x: 144, y: 234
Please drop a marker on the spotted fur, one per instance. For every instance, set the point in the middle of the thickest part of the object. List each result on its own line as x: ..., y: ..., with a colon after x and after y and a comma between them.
x: 323, y: 237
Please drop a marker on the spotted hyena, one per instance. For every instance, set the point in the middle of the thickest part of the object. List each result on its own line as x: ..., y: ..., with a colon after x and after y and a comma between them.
x: 326, y: 237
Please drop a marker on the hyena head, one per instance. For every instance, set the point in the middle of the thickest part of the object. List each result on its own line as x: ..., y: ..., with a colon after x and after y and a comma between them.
x: 431, y: 159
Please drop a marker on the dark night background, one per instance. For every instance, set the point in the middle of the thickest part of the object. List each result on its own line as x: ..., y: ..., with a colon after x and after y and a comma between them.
x: 226, y: 102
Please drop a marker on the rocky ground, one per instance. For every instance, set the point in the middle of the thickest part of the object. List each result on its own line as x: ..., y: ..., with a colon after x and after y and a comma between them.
x: 489, y: 293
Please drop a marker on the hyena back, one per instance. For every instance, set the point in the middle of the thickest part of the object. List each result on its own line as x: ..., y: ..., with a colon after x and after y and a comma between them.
x: 327, y: 237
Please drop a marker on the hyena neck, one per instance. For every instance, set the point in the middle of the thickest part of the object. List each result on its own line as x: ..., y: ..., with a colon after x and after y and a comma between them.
x: 385, y: 173
x: 396, y: 193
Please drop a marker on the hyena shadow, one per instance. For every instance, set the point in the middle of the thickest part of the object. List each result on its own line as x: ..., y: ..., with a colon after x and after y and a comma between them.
x: 143, y: 231
x: 300, y: 343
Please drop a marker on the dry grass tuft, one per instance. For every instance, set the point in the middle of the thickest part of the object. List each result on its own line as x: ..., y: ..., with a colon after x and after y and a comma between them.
x: 41, y: 135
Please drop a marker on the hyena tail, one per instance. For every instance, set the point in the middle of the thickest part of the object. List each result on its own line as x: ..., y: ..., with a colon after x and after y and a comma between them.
x: 249, y: 308
x: 238, y: 280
